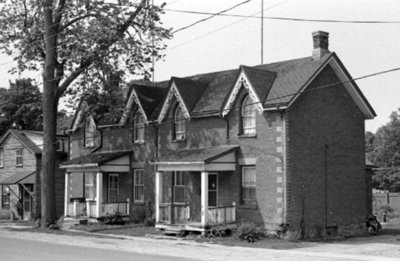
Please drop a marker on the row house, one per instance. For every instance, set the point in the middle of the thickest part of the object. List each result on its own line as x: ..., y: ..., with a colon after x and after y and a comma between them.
x: 278, y: 145
x: 20, y: 166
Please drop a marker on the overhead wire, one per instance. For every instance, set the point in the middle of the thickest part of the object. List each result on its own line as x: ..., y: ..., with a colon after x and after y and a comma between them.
x: 210, y: 17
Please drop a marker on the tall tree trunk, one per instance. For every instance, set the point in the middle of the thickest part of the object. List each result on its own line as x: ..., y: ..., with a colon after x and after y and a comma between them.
x: 50, y: 103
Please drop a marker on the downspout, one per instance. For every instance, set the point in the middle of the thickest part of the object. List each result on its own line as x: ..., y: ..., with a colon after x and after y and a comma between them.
x: 326, y: 182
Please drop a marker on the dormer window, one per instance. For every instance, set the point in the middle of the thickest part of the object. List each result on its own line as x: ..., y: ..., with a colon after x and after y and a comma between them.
x: 138, y: 131
x: 179, y: 124
x: 248, y: 116
x: 90, y: 131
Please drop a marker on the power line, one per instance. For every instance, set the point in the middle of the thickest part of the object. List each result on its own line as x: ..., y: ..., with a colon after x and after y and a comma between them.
x: 226, y: 26
x: 286, y: 18
x: 210, y: 17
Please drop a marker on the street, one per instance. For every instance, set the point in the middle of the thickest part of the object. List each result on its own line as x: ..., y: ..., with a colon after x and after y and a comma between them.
x: 18, y: 245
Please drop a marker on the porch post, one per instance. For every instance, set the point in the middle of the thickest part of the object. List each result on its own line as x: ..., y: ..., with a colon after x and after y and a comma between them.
x: 99, y: 193
x: 204, y: 198
x: 67, y: 193
x: 158, y: 197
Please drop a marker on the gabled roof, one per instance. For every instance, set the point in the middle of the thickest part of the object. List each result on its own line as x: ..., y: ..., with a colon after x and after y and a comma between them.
x: 21, y: 136
x: 94, y: 159
x: 206, y: 154
x: 260, y: 80
x: 186, y: 91
x: 147, y: 96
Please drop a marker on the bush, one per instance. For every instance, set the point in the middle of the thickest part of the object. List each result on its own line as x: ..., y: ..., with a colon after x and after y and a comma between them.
x: 250, y: 232
x: 386, y: 208
x: 139, y: 215
x: 149, y: 222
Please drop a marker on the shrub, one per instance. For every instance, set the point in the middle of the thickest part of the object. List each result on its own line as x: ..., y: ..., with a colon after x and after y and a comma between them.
x: 386, y: 208
x: 149, y: 222
x: 250, y: 232
x: 139, y: 215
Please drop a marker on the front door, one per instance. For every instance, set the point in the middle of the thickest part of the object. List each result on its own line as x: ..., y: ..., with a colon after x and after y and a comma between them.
x: 212, y: 189
x: 27, y: 201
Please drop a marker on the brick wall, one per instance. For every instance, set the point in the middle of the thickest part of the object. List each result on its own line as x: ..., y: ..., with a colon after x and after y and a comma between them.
x: 326, y: 122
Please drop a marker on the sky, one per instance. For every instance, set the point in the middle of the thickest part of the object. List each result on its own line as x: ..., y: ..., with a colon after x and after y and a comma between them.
x: 223, y: 43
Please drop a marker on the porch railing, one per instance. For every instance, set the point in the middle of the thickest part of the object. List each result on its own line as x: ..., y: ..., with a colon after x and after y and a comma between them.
x: 76, y: 209
x: 111, y: 208
x: 221, y: 215
x: 181, y: 212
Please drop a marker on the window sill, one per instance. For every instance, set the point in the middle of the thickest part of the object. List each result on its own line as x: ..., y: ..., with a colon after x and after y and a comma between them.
x: 19, y: 166
x: 138, y: 142
x: 138, y: 203
x: 244, y: 136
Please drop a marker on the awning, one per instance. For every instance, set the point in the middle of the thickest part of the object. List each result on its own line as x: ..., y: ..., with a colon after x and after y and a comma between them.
x: 104, y: 162
x: 217, y: 158
x: 19, y: 177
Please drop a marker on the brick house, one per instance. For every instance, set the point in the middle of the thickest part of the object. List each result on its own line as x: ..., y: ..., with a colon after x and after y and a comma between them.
x: 275, y: 144
x: 278, y: 144
x: 108, y: 160
x: 20, y: 166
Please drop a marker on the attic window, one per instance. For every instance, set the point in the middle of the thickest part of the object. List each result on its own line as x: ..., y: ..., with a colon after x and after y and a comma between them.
x: 138, y: 128
x: 90, y: 129
x: 248, y: 116
x: 179, y: 124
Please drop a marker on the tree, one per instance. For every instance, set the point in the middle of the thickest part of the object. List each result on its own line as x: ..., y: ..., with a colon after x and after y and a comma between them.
x: 66, y: 39
x: 21, y: 106
x: 383, y: 149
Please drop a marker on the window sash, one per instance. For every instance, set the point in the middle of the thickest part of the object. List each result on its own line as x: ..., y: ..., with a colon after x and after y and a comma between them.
x: 179, y: 124
x: 248, y: 116
x: 1, y: 158
x: 138, y: 185
x: 249, y: 184
x: 19, y: 157
x: 90, y: 129
x: 139, y: 128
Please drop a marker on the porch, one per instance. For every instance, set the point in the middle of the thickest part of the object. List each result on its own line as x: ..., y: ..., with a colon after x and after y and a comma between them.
x: 196, y: 195
x: 98, y: 185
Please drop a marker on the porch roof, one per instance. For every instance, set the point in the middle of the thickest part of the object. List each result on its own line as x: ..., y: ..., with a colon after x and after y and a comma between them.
x: 217, y: 158
x: 99, y: 162
x: 20, y: 177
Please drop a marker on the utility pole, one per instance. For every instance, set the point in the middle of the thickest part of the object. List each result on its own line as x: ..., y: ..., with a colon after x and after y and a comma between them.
x: 262, y: 31
x: 152, y: 42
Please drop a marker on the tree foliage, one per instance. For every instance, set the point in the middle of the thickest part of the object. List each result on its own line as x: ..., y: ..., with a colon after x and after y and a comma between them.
x: 21, y: 106
x: 383, y: 148
x: 68, y: 39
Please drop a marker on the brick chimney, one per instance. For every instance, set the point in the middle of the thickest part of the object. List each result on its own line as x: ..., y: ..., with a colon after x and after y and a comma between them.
x: 321, y: 43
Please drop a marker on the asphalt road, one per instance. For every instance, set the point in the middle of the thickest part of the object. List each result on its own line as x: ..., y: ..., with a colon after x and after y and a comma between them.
x: 15, y: 249
x: 27, y: 246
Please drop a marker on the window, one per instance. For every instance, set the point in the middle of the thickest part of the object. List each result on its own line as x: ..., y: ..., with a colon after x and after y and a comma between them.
x: 60, y: 145
x: 113, y: 187
x: 212, y: 189
x: 249, y: 185
x: 90, y: 129
x: 19, y: 157
x: 248, y: 118
x: 5, y: 197
x: 138, y: 131
x: 138, y: 176
x: 179, y: 124
x: 179, y: 187
x: 90, y: 185
x: 1, y: 158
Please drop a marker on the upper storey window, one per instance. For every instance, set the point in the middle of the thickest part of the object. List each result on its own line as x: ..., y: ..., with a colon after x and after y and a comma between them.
x: 19, y: 157
x: 90, y: 131
x: 248, y: 116
x: 179, y: 124
x: 138, y: 133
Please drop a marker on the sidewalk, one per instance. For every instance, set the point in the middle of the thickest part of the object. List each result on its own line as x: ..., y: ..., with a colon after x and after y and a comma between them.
x: 205, y: 251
